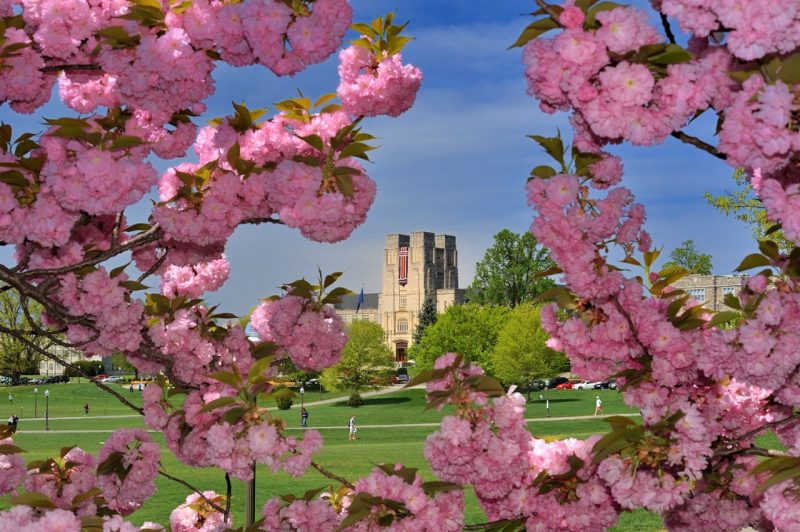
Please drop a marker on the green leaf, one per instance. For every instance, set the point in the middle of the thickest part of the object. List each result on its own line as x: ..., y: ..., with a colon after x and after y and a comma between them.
x: 126, y: 141
x: 33, y: 499
x: 533, y: 30
x: 315, y: 141
x: 754, y: 260
x: 8, y: 448
x: 335, y: 295
x: 218, y: 403
x: 233, y: 415
x: 78, y: 499
x: 330, y: 279
x: 723, y: 317
x: 436, y: 486
x: 554, y: 146
x: 344, y: 183
x: 226, y: 377
x: 790, y: 69
x: 264, y: 349
x: 14, y: 178
x: 421, y: 377
x: 671, y: 55
x: 356, y: 149
x: 732, y: 301
x: 543, y: 172
x: 259, y: 366
x: 110, y: 464
x: 770, y: 249
x: 133, y: 285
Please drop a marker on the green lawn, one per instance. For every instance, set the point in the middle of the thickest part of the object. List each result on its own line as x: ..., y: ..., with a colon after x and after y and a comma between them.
x: 350, y: 459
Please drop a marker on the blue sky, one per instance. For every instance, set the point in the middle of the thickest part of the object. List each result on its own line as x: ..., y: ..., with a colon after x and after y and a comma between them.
x: 458, y: 161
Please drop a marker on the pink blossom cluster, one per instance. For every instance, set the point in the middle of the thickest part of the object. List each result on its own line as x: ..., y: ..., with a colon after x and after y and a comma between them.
x: 443, y: 511
x: 94, y: 179
x: 206, y: 222
x: 372, y: 86
x: 195, y: 354
x: 487, y: 449
x: 780, y: 506
x: 43, y: 221
x: 162, y: 75
x: 316, y: 515
x: 63, y: 489
x: 92, y: 234
x: 193, y: 281
x: 754, y: 28
x: 140, y: 460
x: 454, y: 375
x: 29, y: 87
x: 312, y: 338
x: 101, y: 297
x: 782, y: 204
x: 12, y: 470
x: 27, y: 519
x: 758, y: 131
x: 286, y: 41
x: 196, y: 515
x: 299, y: 194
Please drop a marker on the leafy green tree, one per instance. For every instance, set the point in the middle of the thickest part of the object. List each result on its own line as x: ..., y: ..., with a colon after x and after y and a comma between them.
x: 366, y: 361
x: 521, y: 354
x: 688, y: 258
x: 118, y: 360
x: 508, y: 273
x: 745, y: 206
x: 470, y: 330
x: 427, y: 317
x: 17, y: 358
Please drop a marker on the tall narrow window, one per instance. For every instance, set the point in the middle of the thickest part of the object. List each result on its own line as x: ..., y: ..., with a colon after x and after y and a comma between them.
x: 402, y: 325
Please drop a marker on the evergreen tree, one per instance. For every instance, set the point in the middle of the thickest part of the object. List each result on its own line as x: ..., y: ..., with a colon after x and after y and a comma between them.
x: 427, y: 316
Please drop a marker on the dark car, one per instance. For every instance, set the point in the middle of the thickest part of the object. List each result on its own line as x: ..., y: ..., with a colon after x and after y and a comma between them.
x: 555, y: 381
x: 401, y: 377
x: 610, y: 384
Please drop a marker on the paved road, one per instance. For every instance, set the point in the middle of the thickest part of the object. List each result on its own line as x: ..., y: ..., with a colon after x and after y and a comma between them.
x: 333, y: 427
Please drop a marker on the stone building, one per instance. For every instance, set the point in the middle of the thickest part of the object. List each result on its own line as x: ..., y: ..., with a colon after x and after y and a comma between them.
x: 414, y: 266
x: 711, y: 289
x: 49, y: 368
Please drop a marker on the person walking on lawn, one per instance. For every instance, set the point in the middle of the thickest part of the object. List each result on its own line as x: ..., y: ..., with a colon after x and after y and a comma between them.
x: 353, y: 428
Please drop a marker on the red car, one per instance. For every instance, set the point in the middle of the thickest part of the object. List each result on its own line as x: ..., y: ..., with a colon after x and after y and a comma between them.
x: 564, y: 386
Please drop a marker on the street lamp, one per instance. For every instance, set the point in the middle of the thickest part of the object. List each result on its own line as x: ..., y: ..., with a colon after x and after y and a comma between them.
x: 47, y: 410
x: 35, y: 401
x: 302, y: 393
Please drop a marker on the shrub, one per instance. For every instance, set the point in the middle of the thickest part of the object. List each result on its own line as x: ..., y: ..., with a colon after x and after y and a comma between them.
x: 355, y: 401
x: 284, y: 403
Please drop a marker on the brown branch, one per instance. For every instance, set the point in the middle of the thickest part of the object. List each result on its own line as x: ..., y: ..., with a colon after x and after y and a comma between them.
x: 341, y: 480
x: 151, y: 235
x: 197, y: 491
x: 227, y: 497
x: 73, y: 367
x: 156, y: 265
x: 52, y: 307
x: 697, y: 143
x: 71, y: 68
x: 667, y: 28
x: 115, y: 231
x: 258, y: 221
x: 547, y: 8
x: 485, y: 526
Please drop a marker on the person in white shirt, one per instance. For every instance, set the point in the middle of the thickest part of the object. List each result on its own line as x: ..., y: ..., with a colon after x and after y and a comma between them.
x: 598, y: 407
x: 353, y: 428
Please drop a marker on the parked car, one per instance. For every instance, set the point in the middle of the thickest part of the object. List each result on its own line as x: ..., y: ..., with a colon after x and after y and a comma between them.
x: 555, y: 381
x: 401, y: 376
x: 586, y: 385
x: 101, y: 376
x: 609, y: 384
x: 564, y: 386
x: 112, y: 378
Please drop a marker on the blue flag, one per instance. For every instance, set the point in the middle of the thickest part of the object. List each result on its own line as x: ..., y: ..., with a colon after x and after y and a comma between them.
x: 360, y: 299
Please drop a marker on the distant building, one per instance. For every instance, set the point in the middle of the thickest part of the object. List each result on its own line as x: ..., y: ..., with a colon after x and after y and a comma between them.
x: 49, y: 367
x: 712, y: 289
x: 414, y: 266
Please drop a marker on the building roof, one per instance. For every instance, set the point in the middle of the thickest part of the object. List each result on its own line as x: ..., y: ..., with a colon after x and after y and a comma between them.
x: 351, y: 302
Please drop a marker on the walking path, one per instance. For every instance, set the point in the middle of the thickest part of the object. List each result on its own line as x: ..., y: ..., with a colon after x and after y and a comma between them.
x: 333, y: 427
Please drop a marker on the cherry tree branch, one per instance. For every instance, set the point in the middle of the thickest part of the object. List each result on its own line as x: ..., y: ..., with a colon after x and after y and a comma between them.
x: 151, y: 235
x: 196, y: 490
x: 227, y: 497
x: 697, y: 143
x: 343, y: 481
x: 73, y: 367
x: 71, y: 68
x: 547, y: 8
x: 667, y: 28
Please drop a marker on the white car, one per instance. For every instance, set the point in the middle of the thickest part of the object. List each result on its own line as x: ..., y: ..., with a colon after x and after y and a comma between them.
x: 112, y: 378
x: 585, y: 385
